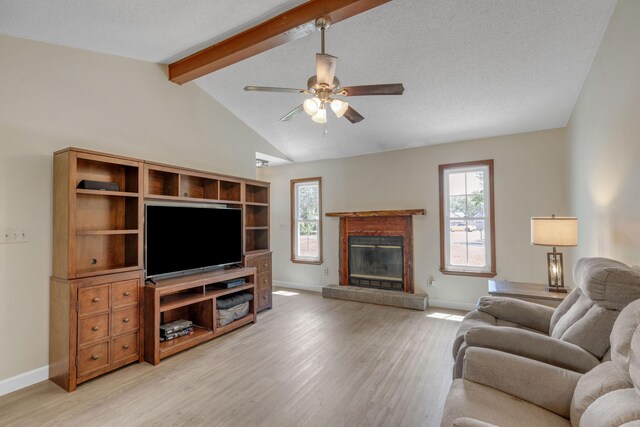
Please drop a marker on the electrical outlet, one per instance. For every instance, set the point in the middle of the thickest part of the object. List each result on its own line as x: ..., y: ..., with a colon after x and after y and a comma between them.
x: 326, y: 271
x: 431, y: 282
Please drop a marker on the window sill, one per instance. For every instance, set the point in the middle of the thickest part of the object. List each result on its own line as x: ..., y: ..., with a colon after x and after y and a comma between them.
x: 300, y: 261
x: 487, y: 274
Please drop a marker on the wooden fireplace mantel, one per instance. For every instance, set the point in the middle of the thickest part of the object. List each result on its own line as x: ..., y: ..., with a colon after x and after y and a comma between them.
x: 363, y: 214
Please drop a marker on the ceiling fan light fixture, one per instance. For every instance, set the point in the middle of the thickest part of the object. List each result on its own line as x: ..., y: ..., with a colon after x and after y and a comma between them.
x: 339, y: 107
x: 311, y: 106
x: 320, y: 116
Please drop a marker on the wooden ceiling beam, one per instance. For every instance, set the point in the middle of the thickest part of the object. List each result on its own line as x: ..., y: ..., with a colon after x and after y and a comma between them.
x: 285, y: 27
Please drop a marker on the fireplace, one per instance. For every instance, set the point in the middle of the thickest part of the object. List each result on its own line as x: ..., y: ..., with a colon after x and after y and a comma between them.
x: 376, y: 249
x: 376, y: 262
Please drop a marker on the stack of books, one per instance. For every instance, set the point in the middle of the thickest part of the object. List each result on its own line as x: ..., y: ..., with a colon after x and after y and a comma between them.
x: 176, y: 329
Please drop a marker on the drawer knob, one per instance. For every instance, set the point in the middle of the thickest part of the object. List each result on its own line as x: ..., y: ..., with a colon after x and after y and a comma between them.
x: 96, y: 299
x: 95, y: 357
x: 126, y: 294
x: 264, y: 281
x: 95, y: 328
x: 265, y: 265
x: 126, y: 346
x: 125, y: 320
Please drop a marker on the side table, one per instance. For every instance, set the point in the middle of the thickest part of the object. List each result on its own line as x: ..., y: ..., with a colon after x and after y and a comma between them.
x: 531, y: 292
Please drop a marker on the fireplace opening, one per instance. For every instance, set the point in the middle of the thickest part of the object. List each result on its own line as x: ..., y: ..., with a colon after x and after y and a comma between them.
x: 376, y: 262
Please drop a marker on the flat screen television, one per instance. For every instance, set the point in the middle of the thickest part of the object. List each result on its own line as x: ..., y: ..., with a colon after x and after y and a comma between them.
x: 183, y: 239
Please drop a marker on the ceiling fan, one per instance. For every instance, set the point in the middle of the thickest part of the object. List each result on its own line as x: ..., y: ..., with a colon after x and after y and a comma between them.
x: 324, y: 87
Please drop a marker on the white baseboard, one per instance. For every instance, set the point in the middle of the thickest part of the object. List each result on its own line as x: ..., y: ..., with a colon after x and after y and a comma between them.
x: 301, y: 286
x: 26, y: 379
x: 443, y: 303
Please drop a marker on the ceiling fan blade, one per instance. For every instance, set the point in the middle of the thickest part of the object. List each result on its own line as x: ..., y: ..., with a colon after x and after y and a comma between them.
x: 388, y: 89
x: 272, y: 89
x: 352, y: 115
x: 290, y: 114
x: 325, y: 68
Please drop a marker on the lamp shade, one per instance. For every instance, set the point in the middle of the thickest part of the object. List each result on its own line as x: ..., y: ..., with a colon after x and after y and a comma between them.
x: 554, y: 231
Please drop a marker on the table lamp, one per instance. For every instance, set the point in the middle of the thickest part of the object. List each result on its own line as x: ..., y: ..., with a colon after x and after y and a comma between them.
x: 554, y: 231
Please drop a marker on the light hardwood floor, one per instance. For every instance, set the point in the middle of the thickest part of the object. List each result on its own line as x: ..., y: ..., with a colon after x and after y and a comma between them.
x: 308, y: 362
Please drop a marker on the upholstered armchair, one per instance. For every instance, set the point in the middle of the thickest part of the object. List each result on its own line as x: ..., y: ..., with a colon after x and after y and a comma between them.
x: 575, y: 335
x: 503, y: 389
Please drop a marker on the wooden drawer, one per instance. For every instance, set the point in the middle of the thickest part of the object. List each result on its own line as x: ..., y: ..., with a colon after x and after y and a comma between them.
x: 124, y: 293
x: 125, y: 320
x: 264, y: 281
x: 93, y: 299
x: 264, y: 299
x: 93, y: 328
x: 93, y: 358
x: 262, y: 264
x: 124, y: 347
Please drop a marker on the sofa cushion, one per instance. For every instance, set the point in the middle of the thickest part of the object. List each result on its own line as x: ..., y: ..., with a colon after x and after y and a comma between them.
x: 471, y: 400
x: 599, y: 381
x: 634, y: 360
x: 593, y: 330
x: 563, y: 307
x: 471, y: 319
x: 613, y: 409
x: 578, y: 308
x: 608, y: 283
x: 621, y: 335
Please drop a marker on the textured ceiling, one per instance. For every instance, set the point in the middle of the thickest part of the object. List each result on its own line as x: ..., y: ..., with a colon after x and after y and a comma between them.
x: 471, y: 69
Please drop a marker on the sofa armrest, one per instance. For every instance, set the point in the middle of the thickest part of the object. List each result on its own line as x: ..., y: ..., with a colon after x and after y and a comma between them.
x: 532, y: 345
x: 543, y: 385
x: 528, y: 314
x: 470, y: 422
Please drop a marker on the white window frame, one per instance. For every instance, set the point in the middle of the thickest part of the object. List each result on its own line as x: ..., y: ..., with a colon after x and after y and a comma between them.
x: 486, y: 167
x: 295, y: 184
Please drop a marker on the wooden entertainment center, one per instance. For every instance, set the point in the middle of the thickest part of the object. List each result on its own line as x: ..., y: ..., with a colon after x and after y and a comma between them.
x: 102, y: 315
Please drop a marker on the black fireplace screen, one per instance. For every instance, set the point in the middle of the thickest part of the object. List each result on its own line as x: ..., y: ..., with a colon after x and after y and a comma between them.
x: 376, y: 262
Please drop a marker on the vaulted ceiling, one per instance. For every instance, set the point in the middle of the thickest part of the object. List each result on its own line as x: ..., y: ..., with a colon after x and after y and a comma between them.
x: 471, y: 69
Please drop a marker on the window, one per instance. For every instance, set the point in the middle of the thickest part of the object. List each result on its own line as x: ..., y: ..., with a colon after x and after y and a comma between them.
x: 467, y: 231
x: 306, y: 220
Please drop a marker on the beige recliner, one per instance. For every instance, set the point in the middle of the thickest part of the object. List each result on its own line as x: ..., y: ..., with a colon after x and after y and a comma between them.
x: 503, y: 389
x: 575, y: 335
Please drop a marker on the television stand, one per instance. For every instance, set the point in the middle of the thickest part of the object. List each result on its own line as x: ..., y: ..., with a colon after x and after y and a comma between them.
x: 187, y: 297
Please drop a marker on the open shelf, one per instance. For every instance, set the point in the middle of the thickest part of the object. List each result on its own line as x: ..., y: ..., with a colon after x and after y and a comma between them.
x: 106, y: 252
x: 256, y: 194
x: 92, y: 169
x: 196, y: 187
x: 256, y: 240
x: 256, y: 216
x: 106, y: 213
x: 200, y: 334
x: 162, y: 183
x: 230, y: 191
x: 235, y: 324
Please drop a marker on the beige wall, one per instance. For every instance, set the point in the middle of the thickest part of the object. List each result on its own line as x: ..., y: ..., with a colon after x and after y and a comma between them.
x: 529, y: 180
x: 604, y: 144
x: 53, y: 97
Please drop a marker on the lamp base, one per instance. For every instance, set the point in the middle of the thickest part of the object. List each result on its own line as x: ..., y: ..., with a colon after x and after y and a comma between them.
x: 558, y: 290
